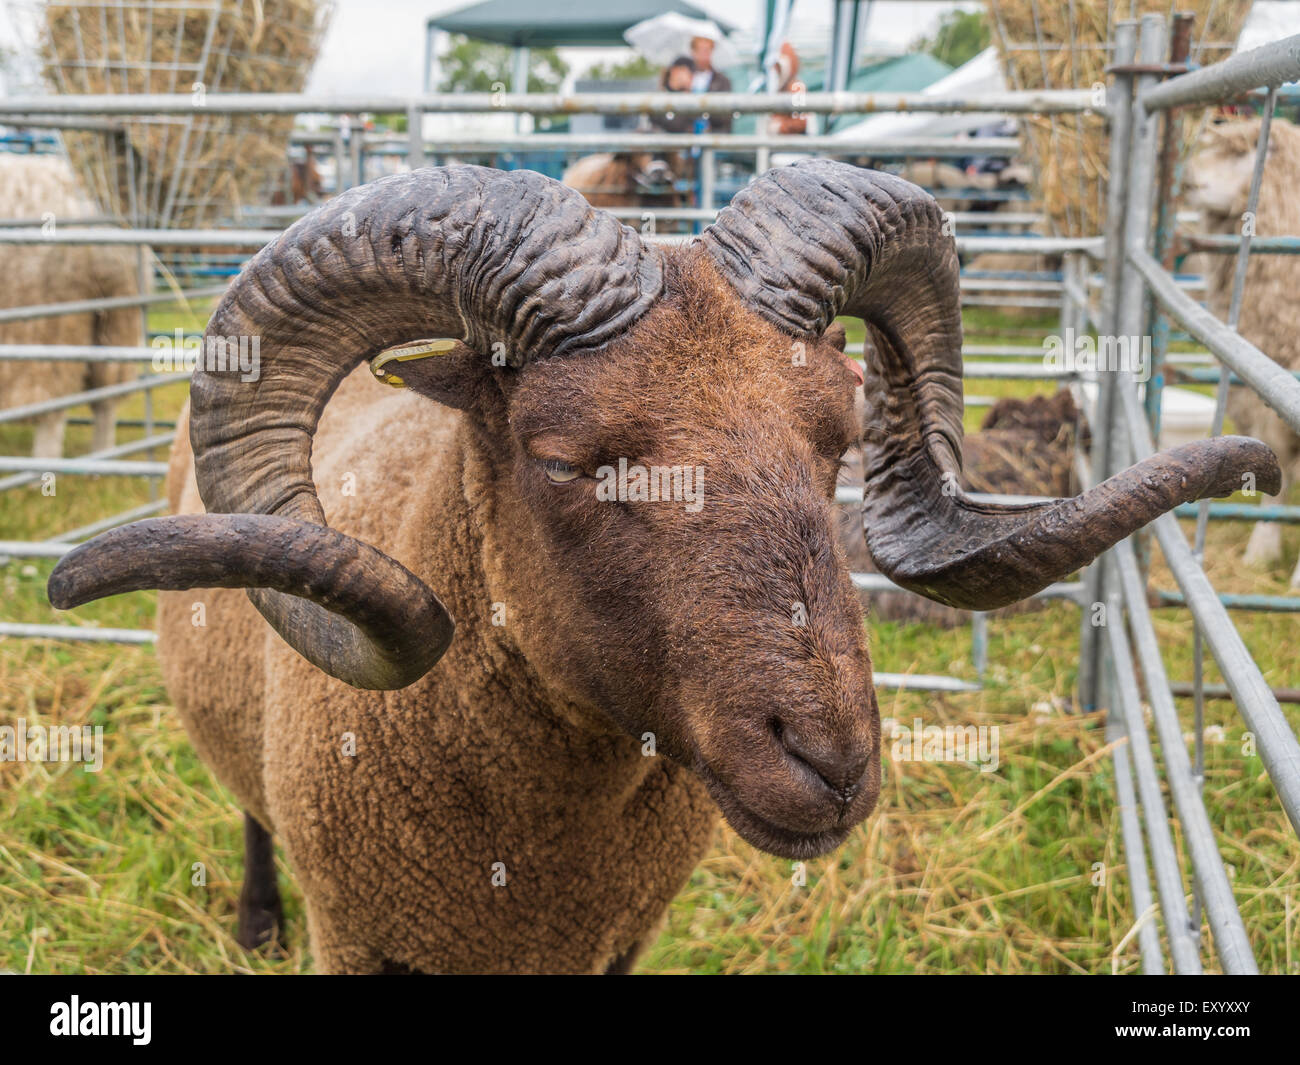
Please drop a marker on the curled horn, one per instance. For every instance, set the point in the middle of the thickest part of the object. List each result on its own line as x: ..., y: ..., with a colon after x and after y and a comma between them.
x: 805, y: 243
x: 510, y: 263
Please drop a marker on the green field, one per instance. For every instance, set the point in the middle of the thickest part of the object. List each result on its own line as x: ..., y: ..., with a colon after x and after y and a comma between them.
x: 1014, y: 871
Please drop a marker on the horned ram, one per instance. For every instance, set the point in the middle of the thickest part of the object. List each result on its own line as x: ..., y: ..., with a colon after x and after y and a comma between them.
x: 623, y: 670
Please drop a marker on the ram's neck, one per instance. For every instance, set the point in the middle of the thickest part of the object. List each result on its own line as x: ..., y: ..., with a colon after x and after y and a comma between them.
x: 478, y: 550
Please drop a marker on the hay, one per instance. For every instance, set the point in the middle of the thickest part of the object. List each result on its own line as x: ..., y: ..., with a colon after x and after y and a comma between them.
x: 1070, y: 151
x: 181, y: 170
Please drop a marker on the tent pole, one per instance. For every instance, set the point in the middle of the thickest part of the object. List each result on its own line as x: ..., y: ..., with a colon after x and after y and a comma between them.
x: 520, y: 81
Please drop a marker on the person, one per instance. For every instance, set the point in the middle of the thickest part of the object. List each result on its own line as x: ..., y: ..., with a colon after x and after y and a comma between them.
x: 677, y: 77
x: 787, y: 77
x: 706, y: 79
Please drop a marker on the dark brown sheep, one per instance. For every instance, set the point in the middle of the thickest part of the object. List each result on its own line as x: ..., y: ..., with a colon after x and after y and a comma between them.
x: 623, y: 669
x: 628, y: 179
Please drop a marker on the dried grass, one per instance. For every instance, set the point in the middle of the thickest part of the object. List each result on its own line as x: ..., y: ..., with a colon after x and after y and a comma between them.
x: 1070, y: 151
x: 181, y: 170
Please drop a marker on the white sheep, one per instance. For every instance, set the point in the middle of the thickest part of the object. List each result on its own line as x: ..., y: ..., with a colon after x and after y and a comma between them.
x: 1218, y: 184
x: 42, y: 187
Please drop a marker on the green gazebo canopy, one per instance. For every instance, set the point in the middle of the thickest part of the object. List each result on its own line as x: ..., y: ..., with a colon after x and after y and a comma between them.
x: 519, y: 23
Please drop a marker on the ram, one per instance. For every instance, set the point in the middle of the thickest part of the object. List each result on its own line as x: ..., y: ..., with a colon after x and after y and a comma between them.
x: 622, y: 671
x: 42, y: 187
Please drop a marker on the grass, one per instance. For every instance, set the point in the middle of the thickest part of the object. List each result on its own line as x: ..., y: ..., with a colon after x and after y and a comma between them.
x: 136, y: 868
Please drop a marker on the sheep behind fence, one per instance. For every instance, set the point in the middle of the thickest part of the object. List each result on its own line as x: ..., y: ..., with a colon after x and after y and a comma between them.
x: 42, y: 188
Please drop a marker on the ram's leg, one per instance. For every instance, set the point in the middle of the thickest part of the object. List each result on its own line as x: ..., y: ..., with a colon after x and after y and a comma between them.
x: 261, y: 917
x: 105, y: 435
x: 48, y: 442
x: 622, y: 965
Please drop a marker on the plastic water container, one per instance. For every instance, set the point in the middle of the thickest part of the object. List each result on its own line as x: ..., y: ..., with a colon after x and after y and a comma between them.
x: 1184, y: 415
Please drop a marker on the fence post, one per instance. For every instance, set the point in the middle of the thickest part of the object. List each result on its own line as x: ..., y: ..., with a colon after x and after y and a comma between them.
x: 1129, y: 317
x: 1119, y: 104
x: 414, y: 137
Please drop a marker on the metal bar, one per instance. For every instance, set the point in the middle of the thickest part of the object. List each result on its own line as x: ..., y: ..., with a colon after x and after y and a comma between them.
x: 1171, y: 140
x: 1209, y: 376
x: 89, y: 220
x: 158, y: 238
x: 1017, y: 371
x: 1220, y: 411
x: 1270, y: 66
x: 415, y: 138
x: 1275, y: 386
x: 131, y: 448
x: 1244, y: 512
x: 1183, y: 948
x: 1121, y: 118
x: 47, y: 406
x: 1064, y: 101
x: 880, y: 147
x: 83, y: 466
x: 54, y: 310
x: 1228, y: 243
x: 1230, y: 939
x: 1030, y: 245
x: 1264, y: 604
x: 1153, y: 963
x: 922, y: 682
x: 848, y: 493
x: 27, y: 549
x: 1277, y: 744
x: 138, y: 423
x: 1220, y: 691
x: 72, y: 632
x: 78, y: 353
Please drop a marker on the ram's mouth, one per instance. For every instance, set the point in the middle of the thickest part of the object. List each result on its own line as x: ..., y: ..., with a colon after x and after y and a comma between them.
x: 763, y: 834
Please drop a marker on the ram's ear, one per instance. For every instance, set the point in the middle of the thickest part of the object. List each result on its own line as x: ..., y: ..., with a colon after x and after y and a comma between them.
x: 453, y: 375
x: 835, y: 335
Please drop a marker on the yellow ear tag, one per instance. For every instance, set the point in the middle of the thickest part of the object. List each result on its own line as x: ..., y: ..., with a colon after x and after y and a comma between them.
x: 420, y: 349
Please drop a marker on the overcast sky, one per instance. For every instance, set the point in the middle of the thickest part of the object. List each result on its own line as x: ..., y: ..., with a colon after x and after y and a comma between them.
x: 378, y: 45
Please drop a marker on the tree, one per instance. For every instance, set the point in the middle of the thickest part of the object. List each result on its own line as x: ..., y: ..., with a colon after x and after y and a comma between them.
x: 635, y: 67
x: 476, y: 66
x: 960, y: 37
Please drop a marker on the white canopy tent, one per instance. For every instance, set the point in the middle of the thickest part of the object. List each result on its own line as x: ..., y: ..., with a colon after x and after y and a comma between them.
x: 980, y: 75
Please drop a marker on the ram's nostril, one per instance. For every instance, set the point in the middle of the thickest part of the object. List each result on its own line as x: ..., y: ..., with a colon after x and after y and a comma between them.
x: 840, y: 770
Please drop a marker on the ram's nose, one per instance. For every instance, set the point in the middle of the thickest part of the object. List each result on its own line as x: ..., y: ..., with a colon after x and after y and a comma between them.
x: 840, y: 765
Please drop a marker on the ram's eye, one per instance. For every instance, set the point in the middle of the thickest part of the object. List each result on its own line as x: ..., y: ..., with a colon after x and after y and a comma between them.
x: 560, y: 472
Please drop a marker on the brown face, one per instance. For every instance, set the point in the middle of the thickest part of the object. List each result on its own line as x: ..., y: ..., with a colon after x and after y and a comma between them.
x: 721, y: 618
